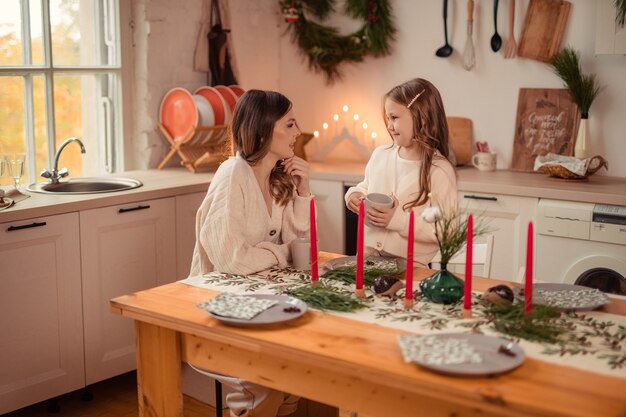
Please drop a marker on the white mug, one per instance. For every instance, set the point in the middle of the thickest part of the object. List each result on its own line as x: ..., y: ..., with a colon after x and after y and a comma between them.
x: 484, y: 161
x: 377, y: 199
x: 301, y: 253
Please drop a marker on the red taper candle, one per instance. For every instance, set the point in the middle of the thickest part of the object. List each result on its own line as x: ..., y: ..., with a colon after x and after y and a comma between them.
x: 528, y: 289
x: 313, y: 240
x: 469, y: 246
x: 408, y: 293
x: 359, y: 248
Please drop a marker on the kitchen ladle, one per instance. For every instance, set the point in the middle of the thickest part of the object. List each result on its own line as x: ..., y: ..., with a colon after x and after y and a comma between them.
x: 446, y: 50
x: 496, y: 40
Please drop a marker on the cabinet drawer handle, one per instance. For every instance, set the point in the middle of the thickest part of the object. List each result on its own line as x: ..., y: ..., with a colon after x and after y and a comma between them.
x: 480, y: 197
x: 26, y: 226
x: 140, y: 207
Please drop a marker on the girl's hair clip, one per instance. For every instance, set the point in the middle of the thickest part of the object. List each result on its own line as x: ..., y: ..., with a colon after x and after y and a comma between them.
x: 408, y: 106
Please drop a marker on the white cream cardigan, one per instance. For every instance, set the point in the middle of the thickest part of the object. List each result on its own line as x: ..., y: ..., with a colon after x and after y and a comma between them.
x: 234, y: 231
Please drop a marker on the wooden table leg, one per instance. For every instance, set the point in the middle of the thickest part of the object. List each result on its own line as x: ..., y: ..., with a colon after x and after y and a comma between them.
x: 158, y: 371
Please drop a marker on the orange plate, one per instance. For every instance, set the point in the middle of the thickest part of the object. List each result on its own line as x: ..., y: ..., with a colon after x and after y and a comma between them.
x: 178, y: 114
x: 229, y: 96
x: 215, y: 99
x: 237, y: 90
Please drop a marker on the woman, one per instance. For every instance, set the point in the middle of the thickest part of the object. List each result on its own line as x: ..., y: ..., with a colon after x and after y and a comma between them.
x: 258, y: 200
x: 257, y: 203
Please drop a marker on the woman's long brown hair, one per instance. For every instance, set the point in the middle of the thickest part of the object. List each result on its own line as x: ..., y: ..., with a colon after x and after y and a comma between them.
x: 251, y: 131
x: 430, y: 126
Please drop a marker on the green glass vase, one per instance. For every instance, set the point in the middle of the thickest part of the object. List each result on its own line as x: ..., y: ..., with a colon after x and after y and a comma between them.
x: 443, y: 287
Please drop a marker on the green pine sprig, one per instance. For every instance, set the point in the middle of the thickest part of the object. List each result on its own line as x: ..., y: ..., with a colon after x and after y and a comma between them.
x: 325, y: 297
x: 541, y: 325
x: 583, y: 87
x: 347, y: 274
x: 451, y: 232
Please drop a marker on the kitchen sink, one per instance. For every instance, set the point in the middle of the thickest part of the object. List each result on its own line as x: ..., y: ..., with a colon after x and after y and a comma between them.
x: 86, y: 186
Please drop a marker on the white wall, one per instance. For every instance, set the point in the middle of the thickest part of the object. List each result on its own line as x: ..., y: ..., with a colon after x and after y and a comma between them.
x: 267, y: 59
x: 487, y: 94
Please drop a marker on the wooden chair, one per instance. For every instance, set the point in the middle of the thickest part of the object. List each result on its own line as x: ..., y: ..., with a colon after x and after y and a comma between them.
x: 481, y: 252
x: 205, y: 148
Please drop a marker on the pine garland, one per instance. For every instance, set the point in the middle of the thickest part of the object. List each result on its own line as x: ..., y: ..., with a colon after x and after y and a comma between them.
x: 322, y: 45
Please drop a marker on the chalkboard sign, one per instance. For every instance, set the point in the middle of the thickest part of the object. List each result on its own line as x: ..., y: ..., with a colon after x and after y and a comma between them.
x: 547, y: 120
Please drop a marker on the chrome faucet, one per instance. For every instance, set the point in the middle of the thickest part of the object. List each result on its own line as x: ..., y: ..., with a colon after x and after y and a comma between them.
x: 56, y: 175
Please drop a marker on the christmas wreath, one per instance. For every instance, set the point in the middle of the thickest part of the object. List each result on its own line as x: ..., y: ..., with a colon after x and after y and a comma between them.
x: 324, y: 48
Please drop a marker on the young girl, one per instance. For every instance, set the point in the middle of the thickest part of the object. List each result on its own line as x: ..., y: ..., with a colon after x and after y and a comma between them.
x: 257, y: 203
x: 415, y: 171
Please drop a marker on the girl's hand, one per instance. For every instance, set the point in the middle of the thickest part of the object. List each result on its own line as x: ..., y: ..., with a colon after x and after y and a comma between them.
x: 298, y: 168
x: 354, y: 201
x: 380, y: 216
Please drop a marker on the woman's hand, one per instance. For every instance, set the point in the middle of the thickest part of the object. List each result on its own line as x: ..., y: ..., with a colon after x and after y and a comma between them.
x: 380, y: 216
x: 354, y: 201
x: 298, y: 168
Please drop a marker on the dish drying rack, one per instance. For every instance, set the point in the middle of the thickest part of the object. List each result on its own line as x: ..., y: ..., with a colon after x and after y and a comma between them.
x: 204, y: 148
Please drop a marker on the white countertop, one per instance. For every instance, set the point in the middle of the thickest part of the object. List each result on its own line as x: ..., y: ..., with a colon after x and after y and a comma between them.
x: 177, y: 181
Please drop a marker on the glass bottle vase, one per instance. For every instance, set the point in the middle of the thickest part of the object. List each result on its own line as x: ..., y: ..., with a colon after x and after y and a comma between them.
x: 443, y: 287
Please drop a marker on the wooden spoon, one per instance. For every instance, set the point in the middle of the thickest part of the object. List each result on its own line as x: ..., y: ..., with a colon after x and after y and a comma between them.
x: 510, y: 47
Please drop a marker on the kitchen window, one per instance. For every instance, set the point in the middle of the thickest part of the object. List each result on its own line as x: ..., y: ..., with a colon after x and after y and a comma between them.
x: 60, y: 77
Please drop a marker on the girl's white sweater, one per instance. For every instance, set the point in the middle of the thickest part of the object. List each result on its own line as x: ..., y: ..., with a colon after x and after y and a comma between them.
x: 381, y: 176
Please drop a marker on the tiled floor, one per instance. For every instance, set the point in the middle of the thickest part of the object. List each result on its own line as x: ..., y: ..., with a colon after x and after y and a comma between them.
x: 115, y: 397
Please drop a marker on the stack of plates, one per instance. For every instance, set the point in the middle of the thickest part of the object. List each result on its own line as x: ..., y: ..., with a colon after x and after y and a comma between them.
x: 181, y: 112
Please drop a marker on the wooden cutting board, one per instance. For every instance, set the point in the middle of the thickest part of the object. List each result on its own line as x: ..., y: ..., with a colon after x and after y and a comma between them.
x: 543, y: 30
x: 460, y: 136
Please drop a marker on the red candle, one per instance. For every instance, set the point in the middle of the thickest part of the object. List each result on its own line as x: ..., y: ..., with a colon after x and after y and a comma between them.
x: 313, y: 240
x: 408, y: 294
x: 528, y: 289
x: 359, y: 248
x: 467, y: 302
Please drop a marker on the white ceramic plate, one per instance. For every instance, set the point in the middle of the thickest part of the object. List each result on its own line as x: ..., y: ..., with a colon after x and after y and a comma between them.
x: 596, y: 302
x: 368, y: 261
x: 272, y: 315
x: 492, y: 363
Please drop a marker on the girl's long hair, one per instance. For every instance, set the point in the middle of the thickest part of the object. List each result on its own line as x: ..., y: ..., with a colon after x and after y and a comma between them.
x: 251, y: 131
x: 430, y: 127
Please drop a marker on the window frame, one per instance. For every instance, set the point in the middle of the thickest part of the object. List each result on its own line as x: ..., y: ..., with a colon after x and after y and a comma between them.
x: 113, y: 156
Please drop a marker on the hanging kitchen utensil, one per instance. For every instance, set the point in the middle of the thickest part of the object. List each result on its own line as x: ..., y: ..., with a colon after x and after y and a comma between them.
x: 469, y: 59
x: 496, y: 40
x: 446, y: 50
x: 510, y: 47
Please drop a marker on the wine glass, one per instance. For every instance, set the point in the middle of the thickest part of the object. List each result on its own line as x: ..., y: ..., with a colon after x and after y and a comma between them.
x: 15, y: 167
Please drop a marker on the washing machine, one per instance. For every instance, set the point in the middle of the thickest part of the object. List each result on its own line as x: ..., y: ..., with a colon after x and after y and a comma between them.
x: 581, y: 243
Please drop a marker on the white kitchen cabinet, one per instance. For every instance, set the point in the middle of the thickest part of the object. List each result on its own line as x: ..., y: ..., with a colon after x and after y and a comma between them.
x: 507, y: 217
x: 186, y: 208
x: 41, y: 347
x: 329, y: 204
x: 610, y: 38
x: 125, y: 248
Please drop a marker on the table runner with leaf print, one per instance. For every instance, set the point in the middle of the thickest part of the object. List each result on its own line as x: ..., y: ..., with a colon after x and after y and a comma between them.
x: 595, y: 341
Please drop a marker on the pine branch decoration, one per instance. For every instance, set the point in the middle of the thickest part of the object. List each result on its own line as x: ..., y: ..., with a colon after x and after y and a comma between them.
x: 620, y: 16
x: 583, y: 88
x: 325, y: 49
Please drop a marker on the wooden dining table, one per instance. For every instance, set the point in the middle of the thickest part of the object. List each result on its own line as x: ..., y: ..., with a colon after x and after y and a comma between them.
x: 344, y: 363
